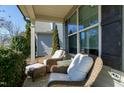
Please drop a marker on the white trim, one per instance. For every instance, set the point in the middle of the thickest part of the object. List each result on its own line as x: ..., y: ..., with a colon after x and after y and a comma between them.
x: 72, y: 34
x: 32, y: 43
x: 78, y: 34
x: 99, y: 30
x: 89, y: 27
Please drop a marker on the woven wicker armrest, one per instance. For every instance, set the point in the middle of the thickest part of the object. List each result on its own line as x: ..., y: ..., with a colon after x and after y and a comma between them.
x: 66, y: 83
x: 51, y: 62
x: 54, y: 59
x: 59, y: 69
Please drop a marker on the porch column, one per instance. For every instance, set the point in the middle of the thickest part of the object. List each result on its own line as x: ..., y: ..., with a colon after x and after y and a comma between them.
x: 32, y: 43
x: 78, y: 34
x: 99, y: 31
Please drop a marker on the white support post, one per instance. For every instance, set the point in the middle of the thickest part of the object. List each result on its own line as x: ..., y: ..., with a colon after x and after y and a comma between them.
x: 32, y: 43
x: 78, y: 35
x: 99, y: 31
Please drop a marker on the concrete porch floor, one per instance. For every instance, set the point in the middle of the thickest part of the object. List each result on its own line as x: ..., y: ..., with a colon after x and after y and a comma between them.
x: 40, y: 82
x: 104, y: 80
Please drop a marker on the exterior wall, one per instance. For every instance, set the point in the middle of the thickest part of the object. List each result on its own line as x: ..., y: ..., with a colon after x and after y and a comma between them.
x: 43, y: 38
x: 110, y: 36
x: 44, y: 44
x: 123, y: 38
x: 42, y: 26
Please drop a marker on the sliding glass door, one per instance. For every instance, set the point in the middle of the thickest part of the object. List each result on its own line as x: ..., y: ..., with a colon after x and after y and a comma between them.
x: 82, y: 28
x: 88, y: 29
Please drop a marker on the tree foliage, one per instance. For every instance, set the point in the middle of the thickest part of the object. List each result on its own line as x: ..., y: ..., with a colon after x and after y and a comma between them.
x: 12, y: 68
x: 10, y: 30
x: 22, y: 42
x: 28, y: 36
x: 19, y: 43
x: 55, y: 40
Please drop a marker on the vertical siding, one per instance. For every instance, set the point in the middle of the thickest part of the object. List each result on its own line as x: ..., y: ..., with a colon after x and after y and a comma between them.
x: 112, y: 36
x: 43, y: 40
x: 44, y: 44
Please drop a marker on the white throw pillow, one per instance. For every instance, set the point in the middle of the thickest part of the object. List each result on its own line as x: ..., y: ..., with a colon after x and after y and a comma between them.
x: 74, y: 62
x: 81, y: 69
x: 57, y: 54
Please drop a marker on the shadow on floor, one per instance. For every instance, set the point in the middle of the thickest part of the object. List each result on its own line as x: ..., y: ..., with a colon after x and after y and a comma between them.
x: 104, y: 79
x: 40, y: 82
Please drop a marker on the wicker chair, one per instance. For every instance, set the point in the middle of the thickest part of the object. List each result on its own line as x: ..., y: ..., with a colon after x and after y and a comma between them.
x: 53, y: 61
x: 91, y: 76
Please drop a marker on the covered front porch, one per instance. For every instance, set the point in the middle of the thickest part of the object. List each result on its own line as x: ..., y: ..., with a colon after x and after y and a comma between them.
x: 104, y: 79
x: 51, y: 14
x: 60, y: 14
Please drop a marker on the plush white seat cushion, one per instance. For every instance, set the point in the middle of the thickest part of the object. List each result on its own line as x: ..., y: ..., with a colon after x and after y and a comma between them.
x: 57, y: 54
x: 74, y: 62
x: 80, y: 69
x: 58, y: 77
x: 33, y: 66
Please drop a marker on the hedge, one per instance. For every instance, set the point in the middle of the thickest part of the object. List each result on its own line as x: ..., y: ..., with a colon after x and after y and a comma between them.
x: 12, y: 67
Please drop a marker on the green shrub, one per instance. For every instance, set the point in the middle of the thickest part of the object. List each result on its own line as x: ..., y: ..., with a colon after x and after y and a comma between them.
x: 55, y: 40
x: 19, y: 43
x: 12, y: 67
x: 28, y: 36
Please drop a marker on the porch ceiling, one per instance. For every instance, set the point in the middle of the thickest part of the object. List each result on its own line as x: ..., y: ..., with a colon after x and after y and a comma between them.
x: 55, y: 13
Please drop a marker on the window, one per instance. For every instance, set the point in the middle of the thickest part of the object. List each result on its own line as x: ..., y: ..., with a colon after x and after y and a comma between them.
x: 88, y: 18
x: 72, y: 33
x: 89, y: 41
x: 83, y: 41
x: 93, y: 38
x: 88, y: 15
x: 73, y: 44
x: 72, y: 24
x: 87, y: 29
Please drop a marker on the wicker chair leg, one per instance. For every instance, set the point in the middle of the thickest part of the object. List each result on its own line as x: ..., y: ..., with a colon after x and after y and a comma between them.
x: 31, y: 74
x: 33, y: 78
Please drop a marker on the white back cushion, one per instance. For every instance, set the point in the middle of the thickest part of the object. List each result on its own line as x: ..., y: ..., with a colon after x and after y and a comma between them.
x: 74, y: 62
x: 57, y: 54
x: 81, y: 69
